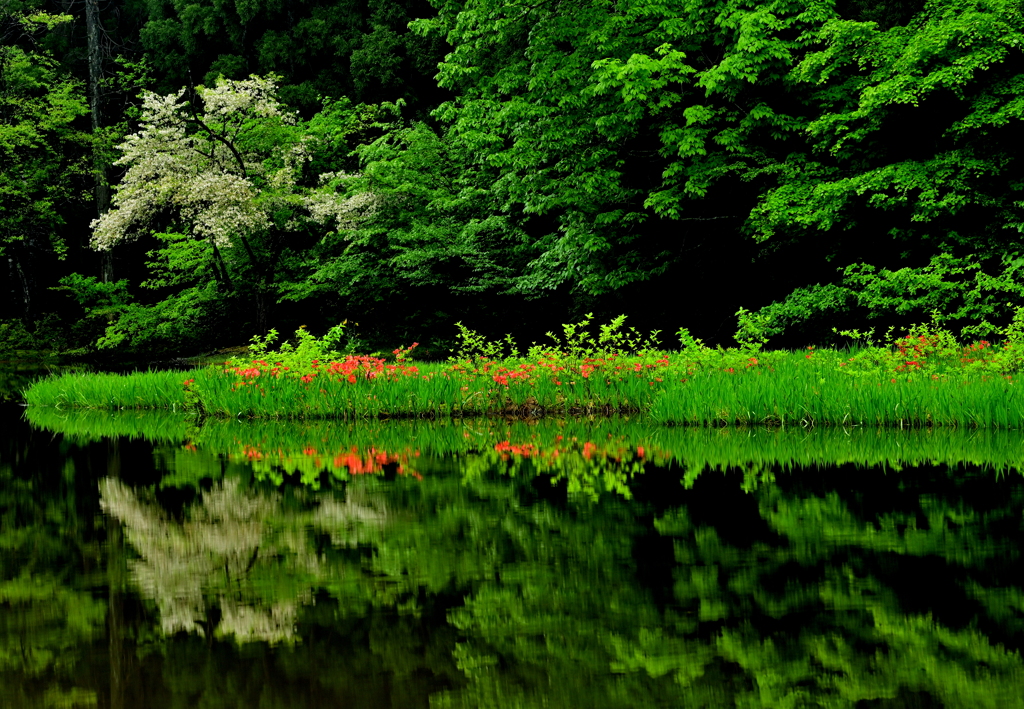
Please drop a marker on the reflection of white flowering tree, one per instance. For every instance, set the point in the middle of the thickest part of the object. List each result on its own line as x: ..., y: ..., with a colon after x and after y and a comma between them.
x: 220, y: 181
x: 238, y: 550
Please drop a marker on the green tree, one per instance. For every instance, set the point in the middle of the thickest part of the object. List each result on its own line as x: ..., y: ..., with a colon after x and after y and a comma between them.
x: 220, y: 180
x: 603, y: 150
x: 43, y: 159
x: 355, y: 48
x: 913, y: 138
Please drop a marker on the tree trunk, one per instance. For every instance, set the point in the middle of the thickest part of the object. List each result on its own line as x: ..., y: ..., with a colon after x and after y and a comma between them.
x: 93, y: 29
x: 26, y: 289
x: 261, y: 310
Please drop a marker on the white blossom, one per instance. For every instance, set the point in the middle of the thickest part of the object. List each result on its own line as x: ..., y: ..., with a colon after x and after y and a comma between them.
x: 209, y: 169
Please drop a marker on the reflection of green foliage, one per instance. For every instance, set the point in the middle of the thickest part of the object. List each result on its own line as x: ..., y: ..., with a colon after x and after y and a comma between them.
x: 47, y: 622
x: 830, y: 567
x: 549, y: 609
x: 42, y: 621
x: 588, y: 468
x: 487, y: 582
x: 14, y: 378
x: 1004, y: 605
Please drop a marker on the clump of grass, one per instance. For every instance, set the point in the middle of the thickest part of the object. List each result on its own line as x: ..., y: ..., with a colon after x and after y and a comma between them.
x: 368, y: 387
x: 923, y: 380
x: 160, y: 389
x: 798, y: 391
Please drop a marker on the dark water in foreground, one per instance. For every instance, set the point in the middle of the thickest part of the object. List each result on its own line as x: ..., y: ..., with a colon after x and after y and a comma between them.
x: 147, y: 563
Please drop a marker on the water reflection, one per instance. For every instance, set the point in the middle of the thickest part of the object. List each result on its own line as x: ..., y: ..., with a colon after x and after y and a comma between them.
x: 475, y: 567
x: 221, y: 553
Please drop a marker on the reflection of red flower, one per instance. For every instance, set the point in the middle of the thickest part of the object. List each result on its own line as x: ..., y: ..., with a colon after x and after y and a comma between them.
x: 639, y: 451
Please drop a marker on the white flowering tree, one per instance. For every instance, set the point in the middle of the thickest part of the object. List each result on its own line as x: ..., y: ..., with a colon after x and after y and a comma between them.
x: 218, y: 177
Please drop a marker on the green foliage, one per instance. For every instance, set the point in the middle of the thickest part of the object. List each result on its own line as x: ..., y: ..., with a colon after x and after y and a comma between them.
x: 961, y: 160
x: 752, y: 331
x: 44, y: 160
x: 472, y: 345
x: 41, y: 150
x: 175, y: 322
x: 426, y: 247
x: 14, y: 336
x: 321, y: 47
x: 950, y: 290
x: 103, y: 299
x: 574, y: 343
x: 911, y: 138
x: 221, y: 182
x: 297, y: 355
x: 566, y: 104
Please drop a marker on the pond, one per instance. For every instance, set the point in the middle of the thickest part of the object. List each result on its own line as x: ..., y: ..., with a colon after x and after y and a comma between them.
x: 148, y: 561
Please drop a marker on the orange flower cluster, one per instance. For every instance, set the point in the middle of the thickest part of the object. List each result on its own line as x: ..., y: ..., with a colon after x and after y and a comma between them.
x: 351, y: 369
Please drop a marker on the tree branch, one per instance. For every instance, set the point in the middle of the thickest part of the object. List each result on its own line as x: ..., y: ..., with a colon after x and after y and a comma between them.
x: 221, y: 139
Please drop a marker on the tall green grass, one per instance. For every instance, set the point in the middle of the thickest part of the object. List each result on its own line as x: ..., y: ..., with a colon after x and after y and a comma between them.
x: 160, y: 389
x: 434, y: 391
x: 779, y: 389
x: 797, y: 392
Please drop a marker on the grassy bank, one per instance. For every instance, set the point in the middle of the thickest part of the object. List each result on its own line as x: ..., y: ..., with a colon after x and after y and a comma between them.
x: 871, y: 387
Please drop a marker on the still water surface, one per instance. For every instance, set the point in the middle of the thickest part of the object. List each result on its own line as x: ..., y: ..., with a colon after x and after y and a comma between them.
x: 148, y: 562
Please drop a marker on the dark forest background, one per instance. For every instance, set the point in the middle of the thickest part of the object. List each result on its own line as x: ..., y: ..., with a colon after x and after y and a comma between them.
x: 818, y: 164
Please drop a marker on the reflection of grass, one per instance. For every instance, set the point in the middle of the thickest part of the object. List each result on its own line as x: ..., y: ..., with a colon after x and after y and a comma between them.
x: 576, y: 449
x: 87, y: 425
